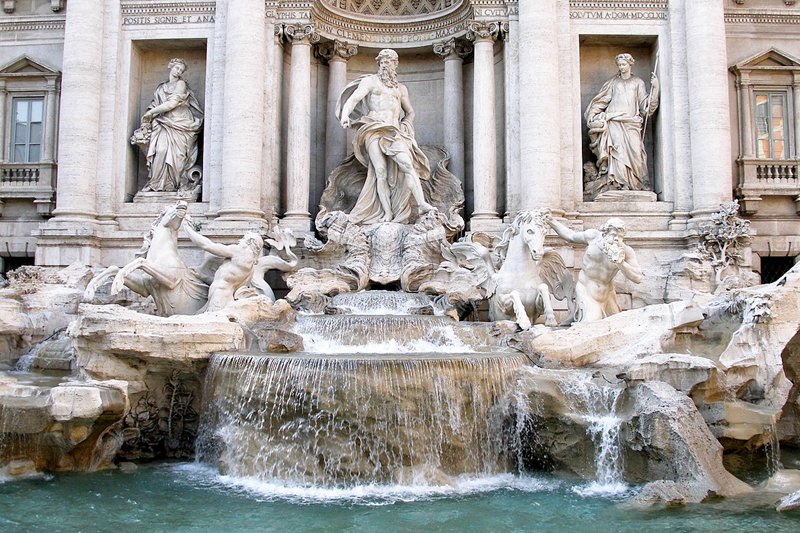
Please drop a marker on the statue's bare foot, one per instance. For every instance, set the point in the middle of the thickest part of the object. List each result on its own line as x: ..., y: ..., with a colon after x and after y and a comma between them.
x: 387, y: 217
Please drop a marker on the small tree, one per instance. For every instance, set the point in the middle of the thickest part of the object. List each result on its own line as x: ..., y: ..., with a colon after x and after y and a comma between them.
x: 724, y: 240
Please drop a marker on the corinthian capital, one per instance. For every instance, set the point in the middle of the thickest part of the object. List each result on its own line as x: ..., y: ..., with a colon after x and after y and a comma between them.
x: 482, y: 30
x: 452, y: 47
x: 300, y: 33
x: 337, y: 50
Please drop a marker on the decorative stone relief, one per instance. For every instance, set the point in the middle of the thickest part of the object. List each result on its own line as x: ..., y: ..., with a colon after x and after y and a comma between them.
x: 478, y: 29
x: 337, y: 50
x: 300, y: 33
x: 393, y: 8
x: 168, y: 132
x: 724, y: 242
x: 617, y: 118
x: 452, y: 47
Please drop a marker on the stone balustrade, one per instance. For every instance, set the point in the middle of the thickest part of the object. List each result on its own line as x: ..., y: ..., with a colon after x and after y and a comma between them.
x: 766, y: 177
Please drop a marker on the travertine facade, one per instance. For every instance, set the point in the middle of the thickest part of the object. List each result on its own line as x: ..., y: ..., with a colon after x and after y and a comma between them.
x: 502, y: 85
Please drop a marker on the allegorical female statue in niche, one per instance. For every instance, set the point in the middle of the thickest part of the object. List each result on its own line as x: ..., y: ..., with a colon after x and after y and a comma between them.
x: 169, y: 129
x: 615, y: 118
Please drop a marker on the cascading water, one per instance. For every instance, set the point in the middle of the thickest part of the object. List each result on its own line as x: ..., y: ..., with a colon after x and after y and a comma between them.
x: 772, y: 449
x: 389, y: 399
x: 597, y: 405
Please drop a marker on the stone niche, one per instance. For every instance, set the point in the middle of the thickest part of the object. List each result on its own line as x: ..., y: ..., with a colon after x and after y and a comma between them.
x: 597, y: 65
x: 150, y: 67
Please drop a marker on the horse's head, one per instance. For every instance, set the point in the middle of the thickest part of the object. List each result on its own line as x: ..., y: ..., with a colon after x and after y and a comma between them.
x: 532, y: 228
x: 172, y: 216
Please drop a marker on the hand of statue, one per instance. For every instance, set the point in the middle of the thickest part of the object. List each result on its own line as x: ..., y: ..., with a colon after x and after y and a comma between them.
x: 346, y: 122
x: 653, y: 79
x: 147, y: 117
x: 548, y: 217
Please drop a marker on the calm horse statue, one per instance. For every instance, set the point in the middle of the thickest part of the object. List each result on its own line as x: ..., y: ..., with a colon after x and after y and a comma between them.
x: 158, y: 270
x: 527, y: 276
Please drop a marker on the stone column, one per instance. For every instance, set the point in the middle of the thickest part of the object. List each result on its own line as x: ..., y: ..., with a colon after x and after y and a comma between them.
x: 541, y: 116
x: 709, y: 119
x: 510, y: 31
x: 4, y: 148
x: 453, y: 53
x: 298, y: 142
x: 746, y: 113
x: 273, y: 93
x: 81, y: 90
x: 242, y: 150
x: 336, y: 53
x: 49, y: 141
x: 484, y: 131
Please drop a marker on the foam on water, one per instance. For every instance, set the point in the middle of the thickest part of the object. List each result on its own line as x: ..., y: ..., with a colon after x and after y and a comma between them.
x: 448, y: 343
x: 365, y: 494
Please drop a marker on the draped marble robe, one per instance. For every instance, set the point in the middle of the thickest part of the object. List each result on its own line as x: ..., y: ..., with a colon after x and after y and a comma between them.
x: 173, y: 142
x: 391, y: 139
x: 615, y: 118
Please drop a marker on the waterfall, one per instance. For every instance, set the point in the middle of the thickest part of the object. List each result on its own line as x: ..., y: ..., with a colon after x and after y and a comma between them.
x: 349, y: 334
x: 773, y: 449
x: 335, y: 422
x: 597, y: 406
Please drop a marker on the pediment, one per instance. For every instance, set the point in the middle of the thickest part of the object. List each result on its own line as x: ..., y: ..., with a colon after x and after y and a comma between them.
x: 26, y: 65
x: 772, y: 58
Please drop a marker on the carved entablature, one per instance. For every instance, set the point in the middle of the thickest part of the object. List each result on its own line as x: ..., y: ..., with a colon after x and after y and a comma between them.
x: 401, y: 23
x: 647, y: 11
x: 173, y: 14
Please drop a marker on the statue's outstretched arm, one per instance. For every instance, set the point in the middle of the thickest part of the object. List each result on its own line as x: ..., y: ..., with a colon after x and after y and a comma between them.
x: 207, y: 244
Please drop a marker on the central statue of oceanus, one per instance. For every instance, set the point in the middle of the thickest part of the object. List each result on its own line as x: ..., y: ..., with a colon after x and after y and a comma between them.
x: 385, y: 144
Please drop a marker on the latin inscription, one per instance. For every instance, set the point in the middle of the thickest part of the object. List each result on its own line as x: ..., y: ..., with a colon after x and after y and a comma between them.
x: 617, y: 15
x: 167, y: 19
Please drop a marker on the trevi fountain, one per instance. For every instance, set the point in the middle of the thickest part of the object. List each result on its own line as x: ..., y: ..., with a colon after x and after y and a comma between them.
x: 393, y: 363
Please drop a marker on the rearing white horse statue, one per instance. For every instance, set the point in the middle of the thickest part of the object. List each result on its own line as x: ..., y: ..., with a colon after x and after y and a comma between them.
x: 519, y: 276
x: 158, y: 270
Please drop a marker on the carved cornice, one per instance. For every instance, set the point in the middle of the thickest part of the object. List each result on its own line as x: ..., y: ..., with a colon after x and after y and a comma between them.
x: 300, y: 33
x: 33, y: 24
x: 762, y: 16
x: 483, y: 30
x: 337, y: 50
x: 132, y: 9
x: 452, y: 48
x: 397, y: 32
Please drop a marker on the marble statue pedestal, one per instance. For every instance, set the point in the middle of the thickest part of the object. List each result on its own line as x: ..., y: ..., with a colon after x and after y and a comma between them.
x: 626, y: 196
x: 162, y: 197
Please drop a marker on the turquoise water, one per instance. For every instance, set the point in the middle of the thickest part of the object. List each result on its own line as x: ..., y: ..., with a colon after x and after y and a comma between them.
x: 188, y: 497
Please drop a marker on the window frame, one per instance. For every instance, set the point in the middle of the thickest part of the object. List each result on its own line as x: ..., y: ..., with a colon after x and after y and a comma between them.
x: 788, y: 126
x: 12, y: 141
